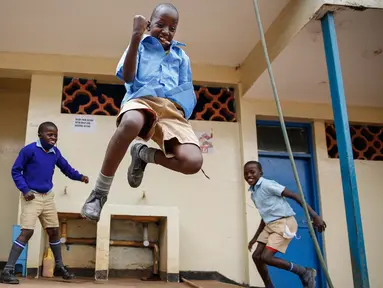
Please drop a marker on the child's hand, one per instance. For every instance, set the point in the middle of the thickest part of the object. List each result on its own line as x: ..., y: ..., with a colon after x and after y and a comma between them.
x: 29, y: 196
x: 85, y: 179
x: 319, y: 223
x: 139, y: 25
x: 251, y: 244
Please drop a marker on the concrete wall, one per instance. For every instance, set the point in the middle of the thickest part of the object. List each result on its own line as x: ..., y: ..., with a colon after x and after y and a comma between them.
x: 202, y: 237
x: 84, y: 256
x: 129, y: 257
x: 330, y: 187
x: 217, y: 216
x: 370, y: 183
x: 80, y: 256
x: 14, y: 97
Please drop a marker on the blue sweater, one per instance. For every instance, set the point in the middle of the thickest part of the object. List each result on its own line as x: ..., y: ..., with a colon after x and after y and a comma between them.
x: 34, y: 168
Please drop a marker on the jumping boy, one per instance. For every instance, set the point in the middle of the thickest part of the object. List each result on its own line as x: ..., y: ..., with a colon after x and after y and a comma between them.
x: 32, y: 173
x: 159, y: 99
x: 278, y: 225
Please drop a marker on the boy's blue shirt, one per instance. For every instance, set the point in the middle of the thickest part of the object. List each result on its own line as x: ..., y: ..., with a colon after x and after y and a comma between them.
x: 34, y: 168
x: 267, y: 197
x: 160, y: 75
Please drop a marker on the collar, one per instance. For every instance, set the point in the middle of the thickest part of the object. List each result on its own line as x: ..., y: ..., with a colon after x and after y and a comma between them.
x: 259, y: 182
x: 148, y: 38
x: 38, y: 144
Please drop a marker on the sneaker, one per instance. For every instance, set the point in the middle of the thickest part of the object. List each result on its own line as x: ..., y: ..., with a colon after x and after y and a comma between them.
x: 308, y: 279
x: 8, y: 277
x: 93, y: 206
x: 137, y: 167
x: 62, y: 271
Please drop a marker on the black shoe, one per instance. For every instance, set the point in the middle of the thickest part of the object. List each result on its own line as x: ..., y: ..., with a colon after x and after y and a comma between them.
x: 8, y: 277
x: 137, y: 166
x: 62, y: 271
x: 308, y: 278
x: 93, y: 206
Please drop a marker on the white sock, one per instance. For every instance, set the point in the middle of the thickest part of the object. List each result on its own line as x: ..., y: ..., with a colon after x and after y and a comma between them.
x: 103, y: 183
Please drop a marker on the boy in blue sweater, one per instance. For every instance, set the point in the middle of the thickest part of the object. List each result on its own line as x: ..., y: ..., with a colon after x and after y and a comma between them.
x: 32, y: 173
x: 159, y: 100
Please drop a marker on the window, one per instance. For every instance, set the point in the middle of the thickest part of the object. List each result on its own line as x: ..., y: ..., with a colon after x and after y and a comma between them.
x: 270, y: 138
x: 367, y: 141
x: 86, y: 96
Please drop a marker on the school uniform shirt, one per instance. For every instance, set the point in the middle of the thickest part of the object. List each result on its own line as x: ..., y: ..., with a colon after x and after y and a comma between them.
x: 267, y: 197
x: 34, y: 167
x: 161, y: 74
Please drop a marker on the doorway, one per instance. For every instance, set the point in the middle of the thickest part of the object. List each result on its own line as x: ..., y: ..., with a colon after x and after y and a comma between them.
x: 274, y: 158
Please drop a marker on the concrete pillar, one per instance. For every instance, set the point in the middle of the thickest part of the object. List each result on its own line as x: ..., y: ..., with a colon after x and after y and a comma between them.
x: 102, y: 247
x: 43, y: 106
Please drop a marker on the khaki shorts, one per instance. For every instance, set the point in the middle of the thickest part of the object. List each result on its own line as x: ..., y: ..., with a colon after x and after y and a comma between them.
x: 272, y: 234
x: 42, y: 207
x: 164, y: 121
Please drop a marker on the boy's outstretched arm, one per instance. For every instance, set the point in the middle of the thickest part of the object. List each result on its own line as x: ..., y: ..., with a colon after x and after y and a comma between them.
x: 130, y: 62
x: 317, y: 220
x: 256, y: 235
x: 68, y: 171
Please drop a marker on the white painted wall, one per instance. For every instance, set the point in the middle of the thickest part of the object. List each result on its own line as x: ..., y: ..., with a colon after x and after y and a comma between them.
x: 212, y: 226
x: 369, y: 182
x: 213, y: 229
x: 13, y: 118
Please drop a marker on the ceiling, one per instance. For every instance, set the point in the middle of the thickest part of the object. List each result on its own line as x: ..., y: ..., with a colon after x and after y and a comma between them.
x: 220, y: 32
x: 301, y: 71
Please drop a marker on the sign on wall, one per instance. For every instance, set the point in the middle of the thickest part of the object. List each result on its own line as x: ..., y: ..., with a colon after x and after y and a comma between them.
x: 84, y: 123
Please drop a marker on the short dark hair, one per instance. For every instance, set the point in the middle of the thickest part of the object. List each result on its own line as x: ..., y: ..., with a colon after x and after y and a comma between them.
x: 159, y: 6
x: 45, y: 125
x: 253, y: 162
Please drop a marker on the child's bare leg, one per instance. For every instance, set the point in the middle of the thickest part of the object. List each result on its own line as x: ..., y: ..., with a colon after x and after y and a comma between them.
x: 187, y: 159
x: 307, y: 275
x: 128, y: 129
x: 261, y: 266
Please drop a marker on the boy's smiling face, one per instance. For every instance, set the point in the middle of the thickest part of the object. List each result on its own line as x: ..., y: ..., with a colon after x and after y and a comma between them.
x: 49, y: 135
x: 252, y: 173
x: 163, y: 25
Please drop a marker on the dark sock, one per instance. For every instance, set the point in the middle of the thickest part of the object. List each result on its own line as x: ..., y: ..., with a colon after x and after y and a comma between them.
x: 16, y: 250
x: 296, y: 269
x: 56, y: 249
x: 147, y: 154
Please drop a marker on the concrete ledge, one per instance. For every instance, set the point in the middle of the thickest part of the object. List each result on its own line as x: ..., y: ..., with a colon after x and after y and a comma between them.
x: 168, y: 235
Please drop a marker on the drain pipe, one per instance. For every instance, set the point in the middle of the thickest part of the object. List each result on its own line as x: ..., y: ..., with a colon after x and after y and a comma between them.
x: 63, y: 231
x: 146, y: 241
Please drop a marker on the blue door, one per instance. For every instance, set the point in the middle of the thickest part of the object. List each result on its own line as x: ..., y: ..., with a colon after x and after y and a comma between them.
x: 276, y: 166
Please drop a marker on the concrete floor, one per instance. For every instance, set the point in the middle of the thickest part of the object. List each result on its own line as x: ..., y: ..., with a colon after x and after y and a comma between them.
x: 113, y: 283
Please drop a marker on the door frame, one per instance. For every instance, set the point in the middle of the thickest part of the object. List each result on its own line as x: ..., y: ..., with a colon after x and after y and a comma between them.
x: 313, y: 173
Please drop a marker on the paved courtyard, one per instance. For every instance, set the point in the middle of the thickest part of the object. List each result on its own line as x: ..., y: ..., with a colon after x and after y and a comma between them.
x: 113, y: 283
